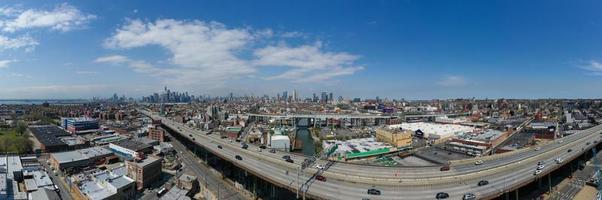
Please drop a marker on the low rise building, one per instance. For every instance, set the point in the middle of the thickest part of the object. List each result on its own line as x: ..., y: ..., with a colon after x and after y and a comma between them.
x: 144, y: 171
x: 79, y: 158
x: 130, y: 149
x: 104, y: 185
x: 156, y: 133
x: 394, y: 136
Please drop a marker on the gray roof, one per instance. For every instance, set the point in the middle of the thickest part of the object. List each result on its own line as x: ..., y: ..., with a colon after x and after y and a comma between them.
x: 45, y: 194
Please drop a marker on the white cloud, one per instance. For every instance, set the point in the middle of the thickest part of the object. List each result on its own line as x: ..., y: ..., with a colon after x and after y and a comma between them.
x: 86, y: 72
x: 452, y: 81
x: 200, y: 51
x: 63, y: 17
x: 210, y: 54
x: 307, y: 63
x: 593, y: 68
x: 22, y: 42
x: 4, y: 63
x: 136, y: 65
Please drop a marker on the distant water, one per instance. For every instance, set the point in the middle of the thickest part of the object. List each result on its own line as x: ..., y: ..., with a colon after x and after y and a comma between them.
x: 308, y: 142
x: 41, y: 101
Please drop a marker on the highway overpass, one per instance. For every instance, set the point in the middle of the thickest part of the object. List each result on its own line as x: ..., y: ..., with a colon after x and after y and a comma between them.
x: 505, y: 172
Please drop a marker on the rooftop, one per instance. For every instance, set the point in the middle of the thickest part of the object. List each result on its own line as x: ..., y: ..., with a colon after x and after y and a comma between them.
x: 81, y: 154
x: 132, y: 145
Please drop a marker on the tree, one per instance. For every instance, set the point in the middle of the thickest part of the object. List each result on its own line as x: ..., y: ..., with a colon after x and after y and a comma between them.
x: 21, y: 127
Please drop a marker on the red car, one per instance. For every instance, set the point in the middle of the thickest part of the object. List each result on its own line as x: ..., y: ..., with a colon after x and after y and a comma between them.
x: 321, y: 178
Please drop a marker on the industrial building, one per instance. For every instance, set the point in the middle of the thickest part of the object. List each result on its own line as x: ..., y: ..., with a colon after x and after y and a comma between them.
x: 130, y: 149
x: 80, y: 125
x: 145, y: 171
x: 48, y: 138
x: 434, y: 132
x: 477, y: 143
x: 356, y: 148
x: 156, y: 133
x: 394, y: 136
x: 79, y: 158
x: 279, y: 140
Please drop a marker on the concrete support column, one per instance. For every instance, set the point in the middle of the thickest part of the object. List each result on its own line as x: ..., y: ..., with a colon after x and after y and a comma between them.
x: 549, y: 183
x: 516, y: 194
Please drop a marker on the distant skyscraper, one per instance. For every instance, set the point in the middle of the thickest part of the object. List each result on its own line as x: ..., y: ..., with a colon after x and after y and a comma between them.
x: 324, y: 97
x: 330, y: 97
x: 295, y: 95
x: 285, y: 95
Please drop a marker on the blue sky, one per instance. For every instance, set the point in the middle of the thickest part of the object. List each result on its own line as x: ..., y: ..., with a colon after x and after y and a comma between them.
x: 396, y: 49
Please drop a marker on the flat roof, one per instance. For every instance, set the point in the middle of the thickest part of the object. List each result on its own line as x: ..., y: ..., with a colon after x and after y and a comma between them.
x: 48, y: 135
x: 132, y: 145
x: 147, y: 161
x: 81, y: 154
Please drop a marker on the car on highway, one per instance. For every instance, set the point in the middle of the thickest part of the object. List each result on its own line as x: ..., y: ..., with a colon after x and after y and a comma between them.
x: 587, y: 143
x: 373, y: 191
x: 483, y: 183
x: 258, y: 149
x: 569, y: 150
x: 469, y: 196
x: 290, y: 160
x: 478, y: 162
x: 220, y: 147
x: 444, y: 168
x: 537, y: 172
x: 540, y: 163
x: 558, y: 160
x: 320, y: 166
x: 244, y: 146
x: 263, y: 147
x: 190, y: 135
x: 560, y: 141
x: 537, y: 148
x: 223, y: 137
x: 272, y: 150
x: 238, y: 157
x: 286, y: 157
x: 442, y: 195
x: 321, y: 178
x: 540, y: 167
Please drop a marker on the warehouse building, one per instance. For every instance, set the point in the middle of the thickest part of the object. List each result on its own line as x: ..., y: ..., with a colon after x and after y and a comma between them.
x: 79, y: 158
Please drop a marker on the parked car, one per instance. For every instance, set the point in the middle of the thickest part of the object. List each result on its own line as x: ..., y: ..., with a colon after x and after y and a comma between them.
x: 537, y: 148
x: 540, y: 167
x: 244, y: 146
x: 272, y: 150
x: 320, y: 166
x: 442, y: 195
x: 286, y: 157
x: 373, y: 191
x: 290, y: 160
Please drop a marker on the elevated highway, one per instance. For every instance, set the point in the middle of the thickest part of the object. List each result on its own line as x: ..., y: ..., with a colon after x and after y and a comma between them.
x: 505, y: 172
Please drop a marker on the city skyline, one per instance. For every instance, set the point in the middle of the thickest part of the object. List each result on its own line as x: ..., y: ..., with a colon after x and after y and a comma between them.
x: 410, y: 49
